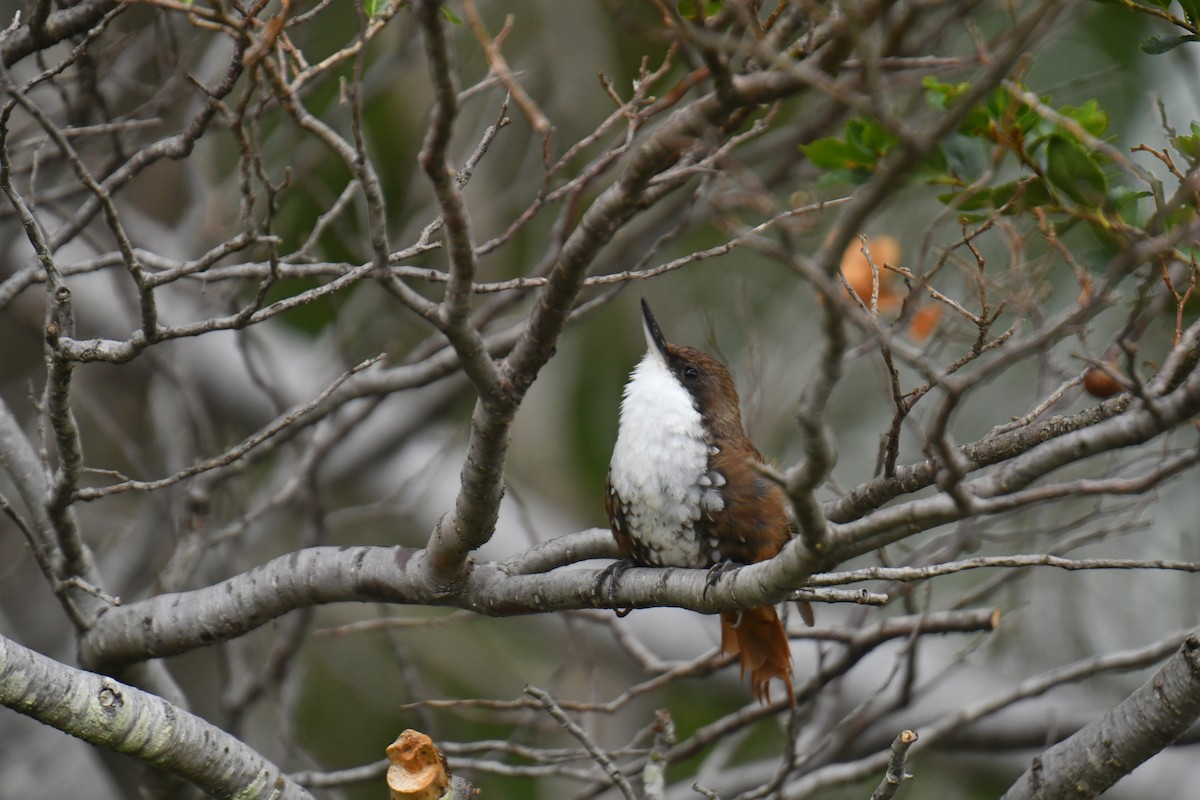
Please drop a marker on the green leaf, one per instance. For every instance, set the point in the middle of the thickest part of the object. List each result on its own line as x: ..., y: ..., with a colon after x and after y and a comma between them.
x: 942, y: 95
x: 869, y: 140
x: 857, y: 155
x: 1090, y: 117
x: 983, y: 198
x: 972, y: 219
x: 1023, y: 195
x: 876, y: 139
x: 1189, y: 145
x: 854, y: 136
x: 935, y: 92
x: 934, y: 168
x: 1157, y: 45
x: 1027, y: 118
x: 1003, y: 194
x: 450, y: 16
x: 1124, y: 200
x: 688, y: 8
x: 374, y: 7
x: 977, y: 122
x: 829, y: 153
x: 1074, y: 171
x: 1034, y: 194
x: 838, y: 177
x: 998, y: 102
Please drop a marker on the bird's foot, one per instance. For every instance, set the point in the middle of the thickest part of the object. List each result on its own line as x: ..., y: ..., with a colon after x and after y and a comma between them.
x: 610, y: 575
x: 716, y: 572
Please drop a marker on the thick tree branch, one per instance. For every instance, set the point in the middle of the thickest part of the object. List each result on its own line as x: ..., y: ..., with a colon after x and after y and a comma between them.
x: 110, y: 714
x: 1105, y: 751
x: 57, y: 27
x: 948, y: 725
x: 321, y: 576
x: 453, y: 316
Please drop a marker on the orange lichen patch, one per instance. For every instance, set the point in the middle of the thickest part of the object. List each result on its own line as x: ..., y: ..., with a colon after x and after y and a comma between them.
x: 418, y: 770
x: 924, y: 322
x: 1101, y: 382
x: 857, y: 269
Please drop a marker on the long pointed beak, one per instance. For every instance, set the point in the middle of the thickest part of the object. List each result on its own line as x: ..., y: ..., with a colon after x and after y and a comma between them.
x: 655, y: 341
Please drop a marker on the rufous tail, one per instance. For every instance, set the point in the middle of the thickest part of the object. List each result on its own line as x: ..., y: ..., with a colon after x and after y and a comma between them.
x: 757, y: 636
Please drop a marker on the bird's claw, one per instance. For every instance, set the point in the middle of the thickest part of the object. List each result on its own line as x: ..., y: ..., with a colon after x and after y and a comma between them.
x: 716, y: 572
x: 610, y: 575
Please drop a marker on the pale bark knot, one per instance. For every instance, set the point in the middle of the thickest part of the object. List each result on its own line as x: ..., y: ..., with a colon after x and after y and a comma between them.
x: 110, y: 698
x: 1191, y: 651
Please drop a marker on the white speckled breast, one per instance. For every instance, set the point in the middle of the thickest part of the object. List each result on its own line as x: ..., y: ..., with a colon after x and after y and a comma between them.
x: 659, y: 471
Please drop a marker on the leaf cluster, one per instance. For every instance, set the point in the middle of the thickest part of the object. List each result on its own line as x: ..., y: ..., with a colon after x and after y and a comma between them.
x: 1012, y: 153
x: 1189, y: 22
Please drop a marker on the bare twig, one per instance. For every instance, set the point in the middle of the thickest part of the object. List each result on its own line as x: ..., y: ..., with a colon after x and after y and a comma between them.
x: 895, y: 774
x: 606, y: 763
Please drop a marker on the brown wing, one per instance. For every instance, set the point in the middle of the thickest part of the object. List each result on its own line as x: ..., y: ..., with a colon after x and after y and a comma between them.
x: 753, y: 525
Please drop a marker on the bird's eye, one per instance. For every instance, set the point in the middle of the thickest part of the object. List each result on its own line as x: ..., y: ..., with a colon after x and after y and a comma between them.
x: 691, y: 373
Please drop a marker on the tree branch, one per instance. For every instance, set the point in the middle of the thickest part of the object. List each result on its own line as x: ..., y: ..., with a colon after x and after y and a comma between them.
x: 110, y: 714
x: 1108, y: 749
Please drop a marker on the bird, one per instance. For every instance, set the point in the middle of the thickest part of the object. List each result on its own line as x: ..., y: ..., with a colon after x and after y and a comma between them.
x: 684, y: 490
